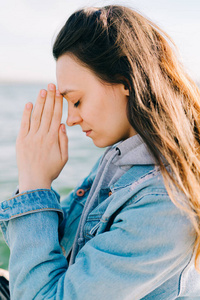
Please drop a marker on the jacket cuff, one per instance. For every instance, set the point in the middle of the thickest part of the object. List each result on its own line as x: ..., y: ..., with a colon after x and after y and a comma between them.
x: 31, y: 202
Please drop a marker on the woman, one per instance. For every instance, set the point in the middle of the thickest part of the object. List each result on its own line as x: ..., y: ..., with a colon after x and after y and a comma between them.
x: 130, y: 230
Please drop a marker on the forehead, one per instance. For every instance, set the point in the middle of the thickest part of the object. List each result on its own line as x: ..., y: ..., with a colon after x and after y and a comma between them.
x: 70, y: 72
x: 69, y: 63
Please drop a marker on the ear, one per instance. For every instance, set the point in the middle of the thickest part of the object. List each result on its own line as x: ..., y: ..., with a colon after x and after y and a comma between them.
x: 125, y: 89
x: 125, y: 86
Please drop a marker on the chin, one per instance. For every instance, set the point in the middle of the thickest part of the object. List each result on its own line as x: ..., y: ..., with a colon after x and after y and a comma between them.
x: 100, y: 144
x: 103, y: 143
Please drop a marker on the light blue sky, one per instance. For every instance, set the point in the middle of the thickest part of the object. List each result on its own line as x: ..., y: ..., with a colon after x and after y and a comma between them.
x: 27, y: 28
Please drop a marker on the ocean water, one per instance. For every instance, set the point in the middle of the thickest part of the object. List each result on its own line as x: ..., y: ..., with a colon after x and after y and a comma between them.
x: 82, y: 152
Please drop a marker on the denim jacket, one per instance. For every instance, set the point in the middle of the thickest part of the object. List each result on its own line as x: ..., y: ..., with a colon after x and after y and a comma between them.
x: 137, y: 244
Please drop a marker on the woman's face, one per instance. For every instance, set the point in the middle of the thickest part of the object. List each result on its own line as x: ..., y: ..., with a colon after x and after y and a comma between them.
x: 100, y: 109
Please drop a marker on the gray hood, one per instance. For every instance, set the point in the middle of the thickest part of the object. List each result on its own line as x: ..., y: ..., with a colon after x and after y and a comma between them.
x: 132, y: 151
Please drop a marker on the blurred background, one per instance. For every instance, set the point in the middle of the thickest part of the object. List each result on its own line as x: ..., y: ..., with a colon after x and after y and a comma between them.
x: 27, y: 31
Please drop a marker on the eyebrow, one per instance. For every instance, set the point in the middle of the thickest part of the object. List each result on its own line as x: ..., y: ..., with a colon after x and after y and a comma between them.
x: 67, y: 92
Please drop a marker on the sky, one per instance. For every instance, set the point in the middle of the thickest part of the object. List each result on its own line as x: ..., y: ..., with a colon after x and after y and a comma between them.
x: 29, y: 27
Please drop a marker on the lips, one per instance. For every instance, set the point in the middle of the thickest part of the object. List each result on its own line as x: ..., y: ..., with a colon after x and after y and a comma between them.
x: 87, y: 132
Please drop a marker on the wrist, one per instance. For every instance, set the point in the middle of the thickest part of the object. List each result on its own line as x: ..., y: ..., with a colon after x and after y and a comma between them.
x: 25, y: 186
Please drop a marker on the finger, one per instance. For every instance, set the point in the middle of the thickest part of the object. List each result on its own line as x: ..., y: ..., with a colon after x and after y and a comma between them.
x: 37, y: 111
x: 25, y: 122
x: 48, y: 108
x: 4, y: 273
x: 57, y: 114
x: 63, y: 142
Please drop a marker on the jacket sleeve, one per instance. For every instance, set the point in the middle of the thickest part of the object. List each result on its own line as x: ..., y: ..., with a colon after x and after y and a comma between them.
x: 135, y: 256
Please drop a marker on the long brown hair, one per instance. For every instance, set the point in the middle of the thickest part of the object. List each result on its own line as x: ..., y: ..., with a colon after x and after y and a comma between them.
x: 121, y: 46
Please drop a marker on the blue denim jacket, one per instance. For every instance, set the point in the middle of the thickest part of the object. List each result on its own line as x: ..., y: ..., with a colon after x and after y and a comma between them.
x: 137, y: 243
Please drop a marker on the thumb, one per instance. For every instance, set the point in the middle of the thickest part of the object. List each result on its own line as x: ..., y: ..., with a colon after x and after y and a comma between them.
x: 63, y: 141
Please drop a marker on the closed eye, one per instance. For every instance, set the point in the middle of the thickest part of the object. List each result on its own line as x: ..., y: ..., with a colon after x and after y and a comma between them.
x: 77, y: 103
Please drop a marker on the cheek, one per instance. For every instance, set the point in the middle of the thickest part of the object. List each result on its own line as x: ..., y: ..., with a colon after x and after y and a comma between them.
x: 91, y: 113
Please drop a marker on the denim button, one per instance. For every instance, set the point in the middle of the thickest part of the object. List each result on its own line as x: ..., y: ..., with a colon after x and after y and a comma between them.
x: 80, y: 192
x: 110, y: 193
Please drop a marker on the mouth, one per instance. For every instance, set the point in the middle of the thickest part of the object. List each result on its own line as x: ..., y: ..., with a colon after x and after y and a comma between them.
x: 87, y: 132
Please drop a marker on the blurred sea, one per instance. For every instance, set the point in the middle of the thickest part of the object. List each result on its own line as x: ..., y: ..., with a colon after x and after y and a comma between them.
x: 82, y: 152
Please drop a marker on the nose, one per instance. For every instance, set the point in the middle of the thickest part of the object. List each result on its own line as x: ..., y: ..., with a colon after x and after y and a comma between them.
x: 73, y: 117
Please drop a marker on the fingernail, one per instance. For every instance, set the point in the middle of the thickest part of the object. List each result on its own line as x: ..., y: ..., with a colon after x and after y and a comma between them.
x: 43, y: 93
x: 57, y: 93
x: 63, y: 128
x: 51, y: 87
x: 28, y: 106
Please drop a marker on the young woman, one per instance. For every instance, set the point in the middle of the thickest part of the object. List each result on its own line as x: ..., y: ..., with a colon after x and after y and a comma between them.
x: 130, y: 230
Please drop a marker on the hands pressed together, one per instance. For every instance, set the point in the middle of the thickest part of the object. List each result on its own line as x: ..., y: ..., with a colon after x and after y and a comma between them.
x: 42, y: 144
